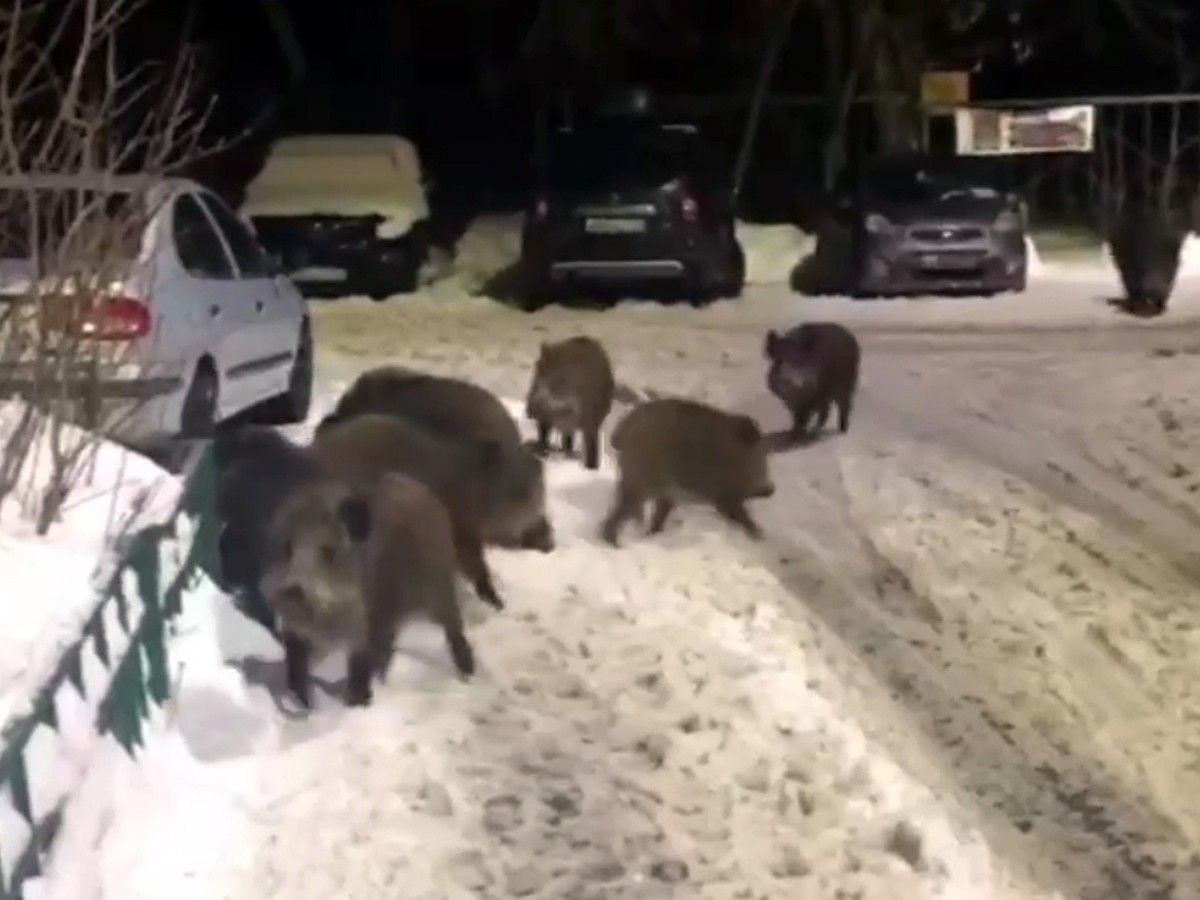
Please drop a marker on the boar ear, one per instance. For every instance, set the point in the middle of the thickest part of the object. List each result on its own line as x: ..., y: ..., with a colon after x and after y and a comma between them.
x: 354, y: 512
x: 748, y: 430
x: 771, y: 345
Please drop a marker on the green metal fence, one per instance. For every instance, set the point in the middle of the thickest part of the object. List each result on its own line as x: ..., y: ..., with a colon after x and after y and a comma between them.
x: 138, y: 676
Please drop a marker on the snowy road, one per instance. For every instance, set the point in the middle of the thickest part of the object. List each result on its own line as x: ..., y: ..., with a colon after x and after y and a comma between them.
x: 994, y: 575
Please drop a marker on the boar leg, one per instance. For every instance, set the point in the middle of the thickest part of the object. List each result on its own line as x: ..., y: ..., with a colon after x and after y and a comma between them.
x: 591, y: 449
x: 823, y: 413
x: 658, y: 519
x: 735, y: 511
x: 473, y: 564
x: 628, y: 504
x: 296, y: 663
x: 845, y: 407
x: 800, y: 416
x: 568, y: 443
x: 450, y: 618
x: 542, y: 444
x: 360, y: 668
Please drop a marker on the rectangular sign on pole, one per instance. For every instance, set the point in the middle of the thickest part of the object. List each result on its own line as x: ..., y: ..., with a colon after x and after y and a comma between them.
x: 995, y: 132
x: 945, y: 89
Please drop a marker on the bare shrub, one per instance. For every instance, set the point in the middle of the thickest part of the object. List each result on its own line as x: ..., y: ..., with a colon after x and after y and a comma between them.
x: 85, y: 140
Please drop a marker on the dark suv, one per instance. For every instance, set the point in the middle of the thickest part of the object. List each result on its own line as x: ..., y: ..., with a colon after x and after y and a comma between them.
x: 627, y: 200
x: 913, y: 222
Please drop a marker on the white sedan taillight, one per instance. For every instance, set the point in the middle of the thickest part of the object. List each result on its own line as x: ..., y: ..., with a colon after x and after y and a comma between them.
x: 113, y: 319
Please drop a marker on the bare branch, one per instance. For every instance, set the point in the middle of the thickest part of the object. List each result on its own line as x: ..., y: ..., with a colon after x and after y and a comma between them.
x: 73, y: 118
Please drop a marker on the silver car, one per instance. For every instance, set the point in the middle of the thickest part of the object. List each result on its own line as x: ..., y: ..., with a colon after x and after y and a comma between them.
x: 922, y: 224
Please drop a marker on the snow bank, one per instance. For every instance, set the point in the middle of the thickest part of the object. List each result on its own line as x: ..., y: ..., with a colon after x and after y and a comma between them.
x: 490, y: 245
x: 139, y: 807
x: 50, y: 581
x: 772, y: 251
x: 1189, y: 256
x: 341, y: 175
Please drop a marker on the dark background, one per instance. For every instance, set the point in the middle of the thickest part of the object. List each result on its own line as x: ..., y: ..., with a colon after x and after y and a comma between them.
x: 466, y: 79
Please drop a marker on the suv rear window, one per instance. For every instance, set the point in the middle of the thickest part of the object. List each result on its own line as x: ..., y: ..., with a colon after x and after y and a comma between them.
x: 632, y: 155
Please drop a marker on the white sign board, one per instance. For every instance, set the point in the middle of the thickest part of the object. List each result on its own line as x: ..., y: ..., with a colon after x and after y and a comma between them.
x: 996, y: 132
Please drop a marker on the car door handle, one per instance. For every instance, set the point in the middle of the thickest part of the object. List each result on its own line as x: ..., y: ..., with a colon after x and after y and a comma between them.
x: 214, y: 310
x: 258, y: 305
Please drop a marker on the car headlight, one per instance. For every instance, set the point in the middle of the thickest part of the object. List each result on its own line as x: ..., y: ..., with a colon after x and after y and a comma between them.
x: 877, y: 224
x: 1007, y: 221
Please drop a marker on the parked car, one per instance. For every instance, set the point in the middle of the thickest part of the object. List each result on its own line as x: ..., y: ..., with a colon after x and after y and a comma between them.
x: 340, y: 212
x: 185, y: 322
x: 919, y: 223
x: 632, y: 199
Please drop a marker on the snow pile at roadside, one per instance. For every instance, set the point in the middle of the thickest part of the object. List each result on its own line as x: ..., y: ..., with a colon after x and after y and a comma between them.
x: 1189, y: 256
x: 491, y: 244
x: 646, y: 722
x: 772, y: 251
x: 50, y: 581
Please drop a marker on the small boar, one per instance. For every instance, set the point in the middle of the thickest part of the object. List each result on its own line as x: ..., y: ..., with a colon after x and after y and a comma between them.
x: 457, y: 409
x: 465, y: 475
x: 572, y: 390
x: 1145, y: 246
x: 675, y: 451
x: 257, y: 467
x: 346, y: 568
x: 813, y: 367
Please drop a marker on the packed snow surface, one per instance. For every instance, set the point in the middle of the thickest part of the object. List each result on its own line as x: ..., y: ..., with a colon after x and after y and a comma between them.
x: 341, y: 175
x: 960, y: 664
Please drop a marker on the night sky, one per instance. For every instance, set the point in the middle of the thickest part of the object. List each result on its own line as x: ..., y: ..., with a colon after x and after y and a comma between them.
x: 461, y: 75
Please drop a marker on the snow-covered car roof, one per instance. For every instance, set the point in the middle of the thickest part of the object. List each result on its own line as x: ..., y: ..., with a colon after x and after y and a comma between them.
x: 346, y: 175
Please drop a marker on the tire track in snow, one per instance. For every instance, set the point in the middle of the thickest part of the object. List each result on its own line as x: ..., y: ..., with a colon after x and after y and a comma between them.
x: 925, y: 670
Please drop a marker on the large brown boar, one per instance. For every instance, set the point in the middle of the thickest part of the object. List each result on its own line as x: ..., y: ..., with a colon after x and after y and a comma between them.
x: 572, y: 390
x: 457, y: 409
x: 675, y: 451
x: 452, y: 407
x: 814, y: 367
x: 346, y: 568
x: 465, y: 475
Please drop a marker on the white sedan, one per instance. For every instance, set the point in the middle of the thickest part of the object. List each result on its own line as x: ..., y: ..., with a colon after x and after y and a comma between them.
x: 198, y: 326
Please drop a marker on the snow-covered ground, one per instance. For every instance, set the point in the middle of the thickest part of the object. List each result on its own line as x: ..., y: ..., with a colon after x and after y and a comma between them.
x: 961, y: 664
x: 49, y: 581
x: 647, y: 723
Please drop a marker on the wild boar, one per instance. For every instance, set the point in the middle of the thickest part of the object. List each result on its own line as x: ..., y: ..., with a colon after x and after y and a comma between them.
x: 457, y: 409
x: 572, y: 390
x: 672, y: 450
x: 814, y: 367
x: 347, y: 567
x: 465, y: 475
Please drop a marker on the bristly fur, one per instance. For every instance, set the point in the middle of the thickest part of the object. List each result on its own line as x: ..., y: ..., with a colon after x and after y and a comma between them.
x: 673, y: 450
x: 456, y: 409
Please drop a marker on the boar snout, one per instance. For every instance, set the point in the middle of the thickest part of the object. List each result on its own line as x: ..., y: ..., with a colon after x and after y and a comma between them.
x: 291, y: 600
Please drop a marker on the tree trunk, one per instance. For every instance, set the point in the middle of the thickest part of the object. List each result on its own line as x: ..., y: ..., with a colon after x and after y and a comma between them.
x: 761, y: 88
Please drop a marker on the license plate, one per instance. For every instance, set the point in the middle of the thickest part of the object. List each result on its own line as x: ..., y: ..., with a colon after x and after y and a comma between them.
x: 614, y: 226
x: 949, y: 262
